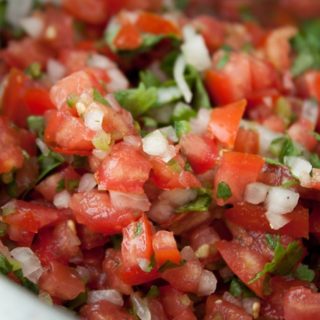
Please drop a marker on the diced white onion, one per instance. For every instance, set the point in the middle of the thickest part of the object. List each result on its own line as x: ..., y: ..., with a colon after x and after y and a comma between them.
x: 169, y: 133
x: 300, y: 168
x: 252, y: 306
x: 122, y: 200
x: 188, y: 32
x: 276, y: 220
x: 160, y: 211
x: 256, y: 192
x: 109, y: 295
x: 81, y: 108
x: 155, y: 144
x: 134, y: 141
x: 117, y: 80
x: 30, y: 263
x: 178, y: 197
x: 199, y: 125
x: 207, y: 283
x: 93, y: 118
x: 310, y: 111
x: 168, y: 94
x: 62, y: 199
x: 196, y: 52
x: 140, y: 307
x: 187, y: 253
x: 87, y: 182
x: 55, y: 70
x: 100, y: 154
x: 33, y: 26
x: 178, y: 73
x: 17, y: 9
x: 42, y: 146
x: 99, y: 61
x: 143, y: 264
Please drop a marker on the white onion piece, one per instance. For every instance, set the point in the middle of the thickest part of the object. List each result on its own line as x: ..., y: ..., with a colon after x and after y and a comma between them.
x: 17, y: 9
x: 251, y: 306
x: 169, y: 133
x: 122, y: 200
x: 99, y: 61
x: 93, y: 118
x: 140, y: 307
x: 87, y: 183
x: 156, y: 144
x: 55, y: 70
x: 300, y: 168
x: 143, y: 264
x: 276, y: 220
x: 187, y: 253
x: 30, y: 263
x: 168, y: 94
x: 256, y: 192
x: 100, y: 154
x: 117, y: 81
x: 207, y: 283
x: 188, y: 32
x: 199, y: 125
x: 196, y: 53
x: 43, y: 147
x: 62, y: 199
x: 109, y: 295
x: 134, y: 141
x: 161, y: 211
x: 310, y: 111
x: 33, y: 26
x: 178, y: 73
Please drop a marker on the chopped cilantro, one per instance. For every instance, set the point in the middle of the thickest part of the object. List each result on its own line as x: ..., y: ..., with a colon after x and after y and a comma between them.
x: 273, y: 162
x: 3, y: 229
x: 290, y: 183
x: 224, y: 59
x: 153, y: 292
x: 182, y: 111
x: 5, y: 265
x: 48, y: 163
x: 169, y: 265
x: 223, y: 191
x: 181, y: 4
x: 78, y: 301
x: 200, y: 204
x: 282, y: 147
x: 149, y: 122
x: 72, y: 100
x: 138, y: 229
x: 182, y: 127
x: 34, y: 70
x: 239, y: 290
x: 149, y: 79
x: 314, y: 160
x: 26, y: 282
x: 303, y: 272
x: 98, y: 97
x: 72, y: 184
x: 36, y: 125
x: 317, y: 136
x: 60, y: 185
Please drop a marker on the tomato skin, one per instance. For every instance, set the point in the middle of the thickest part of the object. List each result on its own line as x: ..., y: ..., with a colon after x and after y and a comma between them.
x: 37, y: 100
x: 201, y: 152
x: 247, y: 141
x: 237, y: 170
x: 104, y: 310
x: 252, y: 217
x: 135, y: 276
x: 301, y: 303
x: 224, y: 122
x: 165, y: 248
x: 244, y: 262
x: 128, y: 37
x: 125, y: 169
x: 216, y: 307
x: 61, y: 281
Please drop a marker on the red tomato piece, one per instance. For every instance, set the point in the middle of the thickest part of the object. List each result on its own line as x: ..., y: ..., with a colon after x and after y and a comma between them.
x: 252, y: 217
x: 128, y: 37
x: 201, y: 152
x: 244, y: 262
x: 95, y: 210
x: 247, y: 141
x: 301, y: 132
x: 218, y: 308
x: 301, y: 303
x: 165, y: 248
x: 156, y: 309
x: 90, y: 239
x: 37, y: 100
x: 135, y: 276
x: 125, y: 169
x: 237, y: 170
x: 224, y: 122
x: 61, y: 281
x: 74, y: 60
x: 104, y: 310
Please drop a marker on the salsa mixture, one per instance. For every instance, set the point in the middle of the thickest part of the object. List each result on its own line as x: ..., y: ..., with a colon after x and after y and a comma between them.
x: 160, y: 160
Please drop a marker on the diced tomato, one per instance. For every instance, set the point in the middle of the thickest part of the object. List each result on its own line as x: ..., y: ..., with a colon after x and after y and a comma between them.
x: 301, y: 303
x: 301, y: 132
x: 104, y: 310
x: 61, y: 281
x: 37, y: 100
x: 171, y: 175
x: 95, y: 210
x: 244, y: 262
x: 32, y: 216
x: 247, y: 141
x: 135, y: 276
x: 11, y: 156
x: 315, y: 221
x: 20, y: 236
x: 27, y: 141
x: 125, y: 169
x: 252, y: 217
x: 224, y: 122
x: 74, y: 60
x: 165, y: 248
x: 237, y: 170
x: 184, y: 278
x: 90, y: 239
x: 218, y: 308
x: 155, y: 24
x: 156, y: 309
x: 68, y: 133
x: 128, y: 37
x: 174, y: 301
x: 201, y: 152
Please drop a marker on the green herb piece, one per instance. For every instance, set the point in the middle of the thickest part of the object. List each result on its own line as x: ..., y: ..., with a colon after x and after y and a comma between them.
x: 272, y: 240
x: 36, y: 125
x: 317, y: 136
x: 169, y: 265
x: 200, y: 204
x: 223, y: 191
x: 314, y: 160
x: 3, y: 7
x: 73, y: 99
x: 98, y: 97
x: 273, y: 161
x: 151, y: 264
x: 3, y: 229
x: 283, y: 110
x: 26, y: 282
x: 284, y: 260
x: 246, y: 14
x: 303, y: 272
x: 12, y: 189
x: 72, y: 184
x: 306, y: 44
x: 78, y: 301
x: 182, y: 111
x: 138, y: 100
x: 116, y: 241
x: 47, y: 163
x: 224, y: 59
x: 181, y: 4
x: 290, y: 183
x: 149, y: 122
x: 5, y: 265
x: 182, y: 127
x: 34, y: 70
x: 239, y: 290
x: 153, y: 292
x: 60, y: 185
x: 79, y: 162
x: 149, y: 79
x: 282, y: 147
x: 167, y: 63
x: 138, y: 229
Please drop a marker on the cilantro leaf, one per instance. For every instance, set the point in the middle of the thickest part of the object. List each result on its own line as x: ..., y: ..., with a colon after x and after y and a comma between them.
x: 200, y: 204
x: 182, y: 127
x: 34, y: 70
x: 149, y: 79
x: 26, y: 282
x: 138, y: 100
x: 282, y: 147
x: 239, y: 289
x: 303, y: 272
x: 98, y: 97
x: 153, y: 292
x: 284, y: 260
x: 223, y: 191
x: 314, y: 160
x: 36, y: 125
x: 224, y: 59
x: 181, y: 4
x: 48, y: 163
x: 78, y: 301
x: 182, y: 111
x: 169, y: 265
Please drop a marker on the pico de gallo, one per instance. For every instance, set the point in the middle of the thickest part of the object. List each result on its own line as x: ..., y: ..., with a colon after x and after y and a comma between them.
x: 160, y: 160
